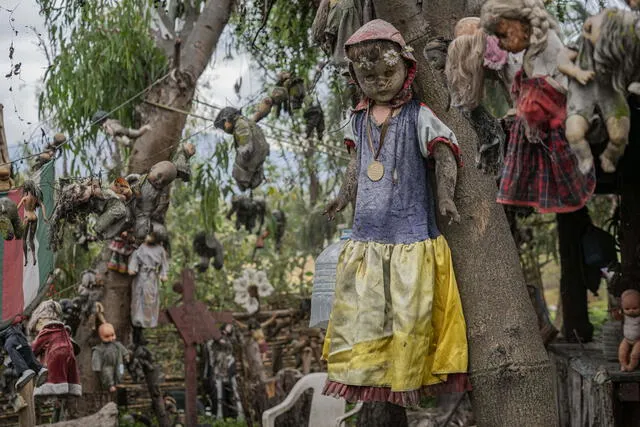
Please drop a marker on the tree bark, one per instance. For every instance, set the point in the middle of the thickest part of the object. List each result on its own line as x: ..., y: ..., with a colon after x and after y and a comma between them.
x: 158, y: 144
x: 509, y: 368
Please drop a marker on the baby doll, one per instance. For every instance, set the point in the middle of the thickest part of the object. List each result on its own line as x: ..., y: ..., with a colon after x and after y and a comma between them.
x: 54, y: 344
x: 602, y: 67
x: 182, y: 159
x: 109, y: 358
x: 251, y: 147
x: 32, y: 200
x: 388, y: 303
x: 119, y: 133
x: 540, y: 169
x: 149, y: 264
x: 629, y: 350
x: 24, y: 362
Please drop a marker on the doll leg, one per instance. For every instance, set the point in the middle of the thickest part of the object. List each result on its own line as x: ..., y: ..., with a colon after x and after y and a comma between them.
x: 635, y: 357
x: 25, y: 242
x: 623, y: 354
x: 32, y: 245
x: 577, y: 127
x: 618, y: 129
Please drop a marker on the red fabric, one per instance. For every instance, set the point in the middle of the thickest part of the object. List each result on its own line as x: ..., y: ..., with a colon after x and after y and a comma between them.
x: 542, y: 175
x: 455, y: 149
x: 455, y: 383
x: 350, y: 144
x: 54, y: 343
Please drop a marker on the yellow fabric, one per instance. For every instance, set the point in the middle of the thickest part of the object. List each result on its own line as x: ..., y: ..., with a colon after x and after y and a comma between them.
x: 397, y: 318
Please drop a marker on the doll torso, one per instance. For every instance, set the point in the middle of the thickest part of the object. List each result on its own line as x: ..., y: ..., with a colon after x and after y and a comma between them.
x: 400, y: 207
x: 631, y: 328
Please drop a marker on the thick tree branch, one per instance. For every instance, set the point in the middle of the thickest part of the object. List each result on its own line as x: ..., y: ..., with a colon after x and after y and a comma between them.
x: 190, y: 17
x: 164, y: 33
x: 204, y: 37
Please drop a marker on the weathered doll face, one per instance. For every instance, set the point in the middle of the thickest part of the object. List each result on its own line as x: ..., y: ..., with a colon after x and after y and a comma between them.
x: 228, y: 127
x: 513, y: 35
x: 631, y: 303
x: 107, y: 333
x: 381, y: 81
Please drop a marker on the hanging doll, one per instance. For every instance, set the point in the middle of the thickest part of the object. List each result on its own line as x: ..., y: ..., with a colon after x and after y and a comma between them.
x: 54, y: 345
x: 14, y: 342
x: 109, y: 358
x: 314, y: 120
x: 602, y: 68
x: 32, y: 200
x: 10, y: 224
x: 50, y: 151
x: 182, y: 159
x: 121, y: 248
x: 152, y: 197
x: 280, y: 222
x: 247, y: 211
x: 119, y: 133
x: 251, y: 147
x: 540, y: 169
x: 629, y: 350
x: 295, y: 89
x: 206, y: 246
x: 479, y: 76
x: 388, y: 303
x: 149, y: 264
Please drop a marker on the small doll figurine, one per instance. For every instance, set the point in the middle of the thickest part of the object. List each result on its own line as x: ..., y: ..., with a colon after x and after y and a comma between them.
x: 247, y: 211
x: 314, y: 120
x: 540, y: 169
x: 24, y: 361
x: 119, y: 133
x: 602, y: 74
x: 182, y: 158
x: 251, y: 147
x: 109, y: 358
x: 10, y: 224
x: 49, y: 151
x: 149, y: 264
x: 121, y: 248
x: 152, y: 197
x: 206, y: 246
x: 629, y: 350
x: 54, y: 344
x: 388, y: 302
x: 32, y: 200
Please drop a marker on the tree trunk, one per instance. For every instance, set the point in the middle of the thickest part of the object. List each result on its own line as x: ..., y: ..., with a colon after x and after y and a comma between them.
x: 156, y: 145
x: 509, y: 368
x: 379, y: 414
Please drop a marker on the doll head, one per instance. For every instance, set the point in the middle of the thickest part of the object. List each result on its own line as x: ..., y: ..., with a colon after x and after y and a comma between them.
x: 107, y: 333
x: 226, y: 119
x: 381, y: 63
x: 630, y: 303
x: 121, y: 187
x: 518, y: 24
x: 189, y: 149
x: 31, y: 188
x: 464, y: 69
x: 162, y: 174
x: 466, y: 26
x: 151, y: 238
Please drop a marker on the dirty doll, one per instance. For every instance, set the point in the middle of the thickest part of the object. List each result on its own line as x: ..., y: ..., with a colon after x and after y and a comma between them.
x: 540, y: 169
x: 31, y: 200
x: 108, y: 358
x: 53, y: 343
x: 395, y: 286
x: 629, y: 350
x: 14, y: 342
x: 149, y: 264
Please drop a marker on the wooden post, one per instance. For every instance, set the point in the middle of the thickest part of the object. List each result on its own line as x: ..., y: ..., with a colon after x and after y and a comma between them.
x: 27, y: 416
x: 196, y: 325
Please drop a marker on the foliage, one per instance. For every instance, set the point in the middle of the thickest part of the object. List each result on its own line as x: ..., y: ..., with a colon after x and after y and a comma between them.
x: 105, y: 56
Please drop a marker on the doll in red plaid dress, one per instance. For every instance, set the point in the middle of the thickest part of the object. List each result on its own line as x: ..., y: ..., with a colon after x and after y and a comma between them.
x: 540, y: 169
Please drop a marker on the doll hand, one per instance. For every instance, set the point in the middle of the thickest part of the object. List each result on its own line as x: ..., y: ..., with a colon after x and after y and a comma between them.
x: 584, y: 76
x: 112, y: 389
x: 334, y: 207
x: 163, y: 278
x: 448, y: 208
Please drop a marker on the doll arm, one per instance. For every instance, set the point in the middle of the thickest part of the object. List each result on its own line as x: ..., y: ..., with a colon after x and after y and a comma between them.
x: 347, y: 191
x: 39, y: 345
x: 96, y: 360
x: 118, y: 130
x: 567, y: 66
x: 21, y: 202
x: 446, y: 177
x: 164, y: 266
x: 133, y: 263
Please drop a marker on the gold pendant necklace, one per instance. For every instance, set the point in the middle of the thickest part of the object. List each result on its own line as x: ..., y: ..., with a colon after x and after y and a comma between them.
x: 375, y: 170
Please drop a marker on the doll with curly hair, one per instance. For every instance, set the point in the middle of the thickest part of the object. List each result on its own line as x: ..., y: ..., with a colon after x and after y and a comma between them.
x: 540, y: 170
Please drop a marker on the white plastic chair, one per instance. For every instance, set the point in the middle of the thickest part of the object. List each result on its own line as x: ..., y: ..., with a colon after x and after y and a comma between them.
x: 325, y: 411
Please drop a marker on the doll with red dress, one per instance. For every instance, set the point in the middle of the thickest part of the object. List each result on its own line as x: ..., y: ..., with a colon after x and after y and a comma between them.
x: 540, y: 170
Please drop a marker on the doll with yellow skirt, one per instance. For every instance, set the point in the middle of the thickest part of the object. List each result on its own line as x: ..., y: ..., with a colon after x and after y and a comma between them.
x: 397, y: 329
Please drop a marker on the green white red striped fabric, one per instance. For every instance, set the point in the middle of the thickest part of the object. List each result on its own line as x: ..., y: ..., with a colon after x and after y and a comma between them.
x: 23, y: 286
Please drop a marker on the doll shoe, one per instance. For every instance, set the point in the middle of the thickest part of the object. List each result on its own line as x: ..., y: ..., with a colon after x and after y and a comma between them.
x: 24, y: 379
x: 43, y: 373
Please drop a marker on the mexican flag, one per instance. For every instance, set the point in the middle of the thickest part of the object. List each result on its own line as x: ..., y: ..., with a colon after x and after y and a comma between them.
x: 22, y: 287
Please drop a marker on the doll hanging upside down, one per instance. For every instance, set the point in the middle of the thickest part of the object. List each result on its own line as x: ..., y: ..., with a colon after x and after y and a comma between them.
x: 31, y: 199
x: 629, y: 350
